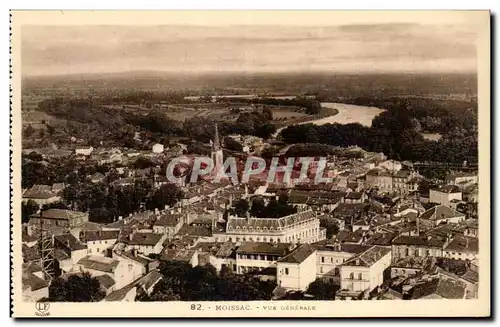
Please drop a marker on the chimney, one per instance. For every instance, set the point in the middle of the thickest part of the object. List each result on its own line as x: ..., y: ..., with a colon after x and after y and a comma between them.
x: 248, y: 215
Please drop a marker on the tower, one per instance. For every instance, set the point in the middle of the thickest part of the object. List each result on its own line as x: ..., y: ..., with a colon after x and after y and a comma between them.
x: 46, y: 250
x: 217, y: 155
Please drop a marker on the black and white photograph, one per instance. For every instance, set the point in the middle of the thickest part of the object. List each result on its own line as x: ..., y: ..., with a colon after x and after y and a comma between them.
x: 233, y: 163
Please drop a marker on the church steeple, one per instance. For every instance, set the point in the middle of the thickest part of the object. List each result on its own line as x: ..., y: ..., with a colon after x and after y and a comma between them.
x: 216, y: 142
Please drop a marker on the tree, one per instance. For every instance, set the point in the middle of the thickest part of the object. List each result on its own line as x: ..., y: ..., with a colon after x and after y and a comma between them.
x: 167, y: 195
x: 28, y: 208
x: 76, y: 288
x: 322, y: 290
x: 241, y: 207
x: 28, y: 131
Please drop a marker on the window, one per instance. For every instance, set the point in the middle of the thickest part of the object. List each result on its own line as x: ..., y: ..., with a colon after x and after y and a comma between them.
x: 351, y: 276
x: 331, y: 260
x: 428, y: 252
x: 403, y: 271
x: 286, y: 271
x: 360, y: 276
x: 322, y: 259
x: 321, y: 269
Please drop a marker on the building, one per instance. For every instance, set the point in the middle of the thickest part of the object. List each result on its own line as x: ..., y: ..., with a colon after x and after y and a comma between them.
x: 364, y: 272
x: 84, y: 151
x: 141, y: 286
x: 59, y: 218
x: 410, y: 266
x: 99, y: 265
x: 300, y: 227
x: 41, y: 194
x: 441, y: 214
x: 217, y: 154
x: 461, y: 178
x: 419, y: 246
x: 297, y: 270
x: 189, y: 256
x: 331, y: 255
x: 438, y: 288
x: 158, y: 148
x: 445, y: 194
x: 35, y: 287
x: 97, y: 177
x: 145, y: 243
x: 73, y: 249
x: 256, y: 256
x: 99, y: 242
x: 462, y: 248
x: 169, y: 224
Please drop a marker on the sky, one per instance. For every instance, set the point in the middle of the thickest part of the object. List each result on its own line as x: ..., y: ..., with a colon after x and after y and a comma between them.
x: 262, y: 45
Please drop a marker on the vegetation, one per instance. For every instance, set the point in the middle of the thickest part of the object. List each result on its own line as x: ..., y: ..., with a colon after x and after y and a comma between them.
x: 182, y: 282
x: 76, y: 288
x: 396, y: 132
x: 322, y: 290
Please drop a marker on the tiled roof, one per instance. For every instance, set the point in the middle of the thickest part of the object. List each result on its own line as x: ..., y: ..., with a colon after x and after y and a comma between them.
x: 425, y: 263
x: 100, y: 235
x: 70, y: 242
x: 59, y: 214
x: 447, y: 189
x: 106, y: 281
x: 146, y: 281
x: 299, y: 254
x: 99, y: 263
x: 33, y: 282
x: 268, y: 224
x: 280, y: 249
x: 369, y: 257
x: 435, y: 242
x: 463, y: 244
x: 150, y: 239
x: 178, y: 255
x: 439, y: 288
x: 200, y: 231
x: 441, y: 212
x: 340, y: 247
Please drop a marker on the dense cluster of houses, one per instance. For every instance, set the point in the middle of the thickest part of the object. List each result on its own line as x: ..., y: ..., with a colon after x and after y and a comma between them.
x: 392, y: 240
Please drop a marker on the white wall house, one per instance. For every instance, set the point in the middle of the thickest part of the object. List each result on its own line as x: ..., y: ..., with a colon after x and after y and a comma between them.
x: 158, y: 148
x: 444, y: 195
x: 297, y: 270
x: 365, y: 271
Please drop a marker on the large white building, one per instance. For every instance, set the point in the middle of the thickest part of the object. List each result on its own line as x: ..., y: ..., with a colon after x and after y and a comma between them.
x: 445, y: 194
x: 297, y: 270
x: 300, y: 227
x: 364, y: 272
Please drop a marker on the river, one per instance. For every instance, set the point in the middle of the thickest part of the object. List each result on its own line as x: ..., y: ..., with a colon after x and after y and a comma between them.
x: 347, y: 114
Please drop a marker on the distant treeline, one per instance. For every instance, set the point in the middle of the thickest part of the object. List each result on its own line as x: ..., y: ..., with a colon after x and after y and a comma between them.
x: 397, y: 131
x: 90, y: 120
x: 311, y: 106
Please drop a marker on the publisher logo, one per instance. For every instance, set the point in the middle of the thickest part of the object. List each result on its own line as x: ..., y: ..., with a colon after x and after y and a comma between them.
x: 42, y: 308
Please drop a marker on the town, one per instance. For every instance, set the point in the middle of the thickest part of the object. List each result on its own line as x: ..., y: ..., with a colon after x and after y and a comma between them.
x: 118, y: 229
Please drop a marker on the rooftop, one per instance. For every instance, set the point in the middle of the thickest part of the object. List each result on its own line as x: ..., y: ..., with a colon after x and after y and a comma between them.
x: 99, y: 263
x: 279, y: 249
x: 369, y: 257
x: 59, y: 214
x: 438, y: 288
x: 148, y: 239
x: 298, y: 255
x: 100, y: 235
x: 441, y: 212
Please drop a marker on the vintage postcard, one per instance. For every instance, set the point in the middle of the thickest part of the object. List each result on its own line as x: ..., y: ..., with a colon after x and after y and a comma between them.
x: 250, y: 163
